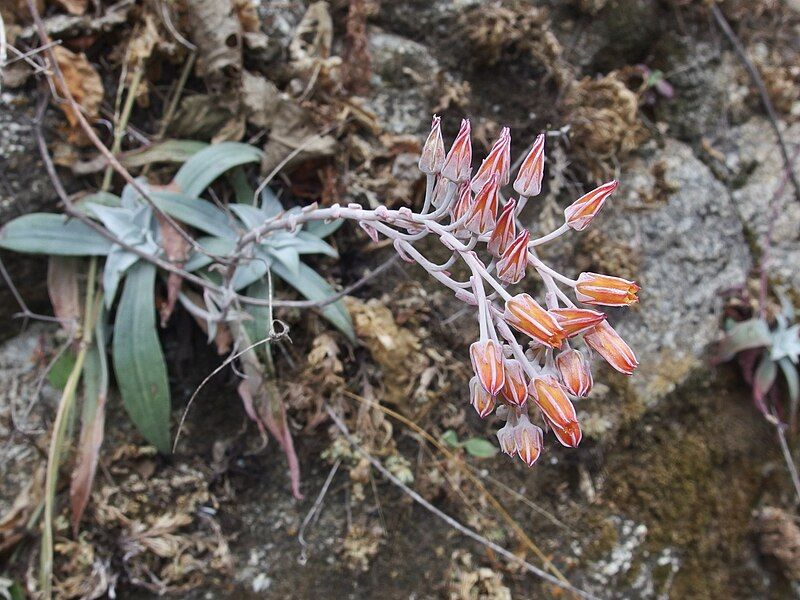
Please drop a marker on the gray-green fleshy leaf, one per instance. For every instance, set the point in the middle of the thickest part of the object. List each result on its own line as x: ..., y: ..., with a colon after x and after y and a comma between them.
x: 203, y: 168
x: 103, y: 198
x: 251, y: 216
x: 314, y: 287
x: 212, y: 245
x: 765, y: 376
x: 195, y: 212
x: 270, y: 204
x: 745, y: 335
x: 119, y: 221
x: 286, y: 255
x: 46, y: 233
x: 785, y: 341
x: 792, y: 379
x: 251, y: 270
x: 321, y: 229
x: 138, y: 360
x: 118, y: 261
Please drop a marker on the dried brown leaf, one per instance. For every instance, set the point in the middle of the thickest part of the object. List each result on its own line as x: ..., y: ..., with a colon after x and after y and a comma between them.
x: 176, y: 249
x: 62, y: 286
x: 73, y: 7
x: 88, y: 453
x: 85, y: 85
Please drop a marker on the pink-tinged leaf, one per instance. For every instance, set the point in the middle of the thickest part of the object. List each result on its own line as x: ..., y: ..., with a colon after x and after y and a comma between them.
x: 763, y: 381
x: 247, y: 401
x: 62, y: 286
x: 93, y: 417
x: 176, y: 249
x: 745, y: 335
x: 275, y: 418
x: 86, y: 463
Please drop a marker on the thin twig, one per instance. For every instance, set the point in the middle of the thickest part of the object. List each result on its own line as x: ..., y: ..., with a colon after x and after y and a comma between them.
x: 314, y: 513
x: 755, y: 77
x: 447, y: 518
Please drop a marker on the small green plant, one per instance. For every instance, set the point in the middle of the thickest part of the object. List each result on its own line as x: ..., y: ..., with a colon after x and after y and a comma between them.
x: 474, y: 446
x: 764, y: 350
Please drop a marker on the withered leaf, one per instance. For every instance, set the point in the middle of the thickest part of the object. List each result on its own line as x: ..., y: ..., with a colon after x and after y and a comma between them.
x: 62, y: 286
x: 83, y: 83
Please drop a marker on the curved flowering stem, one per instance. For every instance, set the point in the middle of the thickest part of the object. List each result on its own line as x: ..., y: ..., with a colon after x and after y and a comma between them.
x: 544, y: 380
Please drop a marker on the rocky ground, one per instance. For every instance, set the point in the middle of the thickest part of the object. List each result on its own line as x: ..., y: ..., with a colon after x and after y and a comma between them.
x: 679, y: 489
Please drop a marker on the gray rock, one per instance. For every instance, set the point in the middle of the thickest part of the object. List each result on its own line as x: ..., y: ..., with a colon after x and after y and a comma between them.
x: 673, y: 229
x: 399, y: 99
x: 24, y: 187
x: 752, y: 153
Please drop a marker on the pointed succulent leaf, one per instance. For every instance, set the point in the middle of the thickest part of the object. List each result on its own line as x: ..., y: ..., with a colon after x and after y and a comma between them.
x: 321, y: 229
x: 745, y: 335
x: 251, y: 270
x: 314, y: 287
x: 138, y: 360
x: 286, y: 255
x: 119, y: 221
x: 45, y: 233
x: 765, y: 376
x: 118, y: 261
x: 198, y: 213
x: 212, y: 245
x: 792, y: 379
x: 786, y: 342
x: 250, y: 216
x: 103, y: 198
x: 270, y: 204
x: 203, y: 168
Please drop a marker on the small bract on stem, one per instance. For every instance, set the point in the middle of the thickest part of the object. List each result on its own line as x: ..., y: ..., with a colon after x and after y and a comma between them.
x: 469, y: 213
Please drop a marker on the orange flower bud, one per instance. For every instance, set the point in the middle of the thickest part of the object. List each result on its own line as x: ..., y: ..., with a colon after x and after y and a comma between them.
x: 463, y: 203
x: 576, y: 373
x: 526, y: 315
x: 483, y: 212
x: 515, y: 389
x: 580, y: 213
x: 529, y: 441
x: 511, y: 268
x: 576, y: 320
x: 605, y: 290
x: 458, y: 162
x: 487, y: 362
x: 557, y: 410
x: 498, y: 161
x: 608, y: 344
x: 508, y: 443
x: 529, y: 179
x: 432, y: 157
x: 481, y: 400
x: 504, y: 231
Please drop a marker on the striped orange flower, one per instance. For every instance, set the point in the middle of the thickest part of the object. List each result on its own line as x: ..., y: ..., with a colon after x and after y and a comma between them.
x: 515, y: 389
x: 581, y: 212
x: 524, y: 314
x: 605, y: 290
x: 529, y: 178
x: 463, y: 203
x: 458, y: 162
x: 529, y: 441
x: 557, y: 410
x: 504, y: 231
x: 608, y: 344
x: 576, y: 320
x: 575, y: 372
x: 511, y: 267
x: 482, y: 215
x: 497, y: 161
x: 481, y: 400
x: 487, y: 362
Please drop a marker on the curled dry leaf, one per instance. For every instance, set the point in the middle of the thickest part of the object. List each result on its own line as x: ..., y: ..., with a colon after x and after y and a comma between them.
x: 73, y: 7
x: 84, y: 84
x: 62, y: 286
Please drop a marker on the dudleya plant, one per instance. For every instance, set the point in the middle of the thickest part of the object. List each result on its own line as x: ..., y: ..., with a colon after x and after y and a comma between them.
x: 242, y: 242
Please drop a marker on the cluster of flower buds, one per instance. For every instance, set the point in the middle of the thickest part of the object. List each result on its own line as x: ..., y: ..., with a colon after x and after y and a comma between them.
x: 538, y: 379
